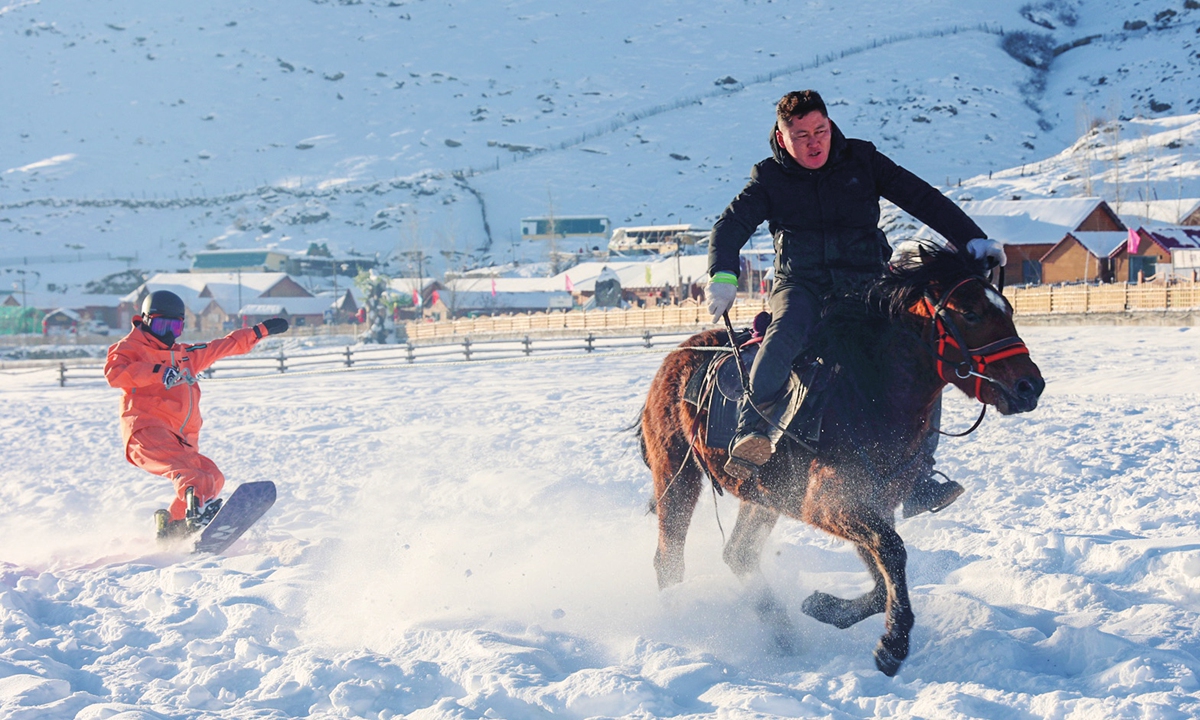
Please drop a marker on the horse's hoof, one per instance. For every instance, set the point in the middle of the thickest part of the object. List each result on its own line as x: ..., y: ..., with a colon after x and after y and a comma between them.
x: 828, y: 609
x: 887, y: 663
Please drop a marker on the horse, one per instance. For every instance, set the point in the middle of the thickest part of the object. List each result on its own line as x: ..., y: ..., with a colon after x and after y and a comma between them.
x: 931, y: 320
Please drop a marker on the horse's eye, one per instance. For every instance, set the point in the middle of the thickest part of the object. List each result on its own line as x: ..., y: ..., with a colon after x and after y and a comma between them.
x: 971, y: 316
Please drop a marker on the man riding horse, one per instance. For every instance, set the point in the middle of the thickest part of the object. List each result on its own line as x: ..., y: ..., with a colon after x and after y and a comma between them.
x: 819, y: 192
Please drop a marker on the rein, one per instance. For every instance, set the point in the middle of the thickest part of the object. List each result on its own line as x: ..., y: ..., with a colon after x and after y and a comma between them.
x: 974, y: 361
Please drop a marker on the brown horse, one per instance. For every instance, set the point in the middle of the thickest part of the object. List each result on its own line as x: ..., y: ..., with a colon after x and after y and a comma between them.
x: 928, y: 322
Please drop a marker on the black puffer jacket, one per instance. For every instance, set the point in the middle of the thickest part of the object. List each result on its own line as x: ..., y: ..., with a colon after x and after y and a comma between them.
x: 826, y: 222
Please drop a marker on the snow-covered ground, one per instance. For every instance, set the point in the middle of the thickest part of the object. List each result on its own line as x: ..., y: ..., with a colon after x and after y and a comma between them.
x: 471, y: 541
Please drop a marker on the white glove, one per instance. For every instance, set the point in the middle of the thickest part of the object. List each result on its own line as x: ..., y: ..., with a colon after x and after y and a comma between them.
x: 990, y: 249
x: 720, y: 293
x: 171, y: 377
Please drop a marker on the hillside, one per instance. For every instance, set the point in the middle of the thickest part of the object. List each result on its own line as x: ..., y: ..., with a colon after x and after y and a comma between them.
x: 149, y: 132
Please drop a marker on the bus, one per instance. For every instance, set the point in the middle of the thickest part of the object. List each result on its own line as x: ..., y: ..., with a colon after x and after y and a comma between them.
x: 565, y: 226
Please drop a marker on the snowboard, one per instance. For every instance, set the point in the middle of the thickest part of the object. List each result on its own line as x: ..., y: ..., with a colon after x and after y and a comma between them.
x: 245, y: 506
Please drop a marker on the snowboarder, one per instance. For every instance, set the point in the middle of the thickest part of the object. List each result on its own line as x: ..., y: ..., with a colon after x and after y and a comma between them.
x: 820, y: 193
x: 160, y: 404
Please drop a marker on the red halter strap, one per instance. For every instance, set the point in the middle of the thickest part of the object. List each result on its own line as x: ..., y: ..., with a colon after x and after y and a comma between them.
x: 975, y: 360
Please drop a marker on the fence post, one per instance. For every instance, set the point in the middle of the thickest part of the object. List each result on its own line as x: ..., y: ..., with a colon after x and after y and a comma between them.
x: 528, y: 346
x: 590, y: 340
x: 646, y: 336
x: 467, y: 346
x: 62, y: 374
x: 411, y: 356
x: 349, y: 361
x: 282, y: 366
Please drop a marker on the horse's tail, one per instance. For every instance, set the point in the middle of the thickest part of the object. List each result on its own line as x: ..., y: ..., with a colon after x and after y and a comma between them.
x: 636, y: 427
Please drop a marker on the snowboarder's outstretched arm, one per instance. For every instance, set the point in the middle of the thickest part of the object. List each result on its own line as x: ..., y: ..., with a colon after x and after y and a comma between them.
x: 242, y: 340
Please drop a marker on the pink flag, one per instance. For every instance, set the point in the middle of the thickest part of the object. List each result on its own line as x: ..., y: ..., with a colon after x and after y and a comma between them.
x: 416, y: 299
x: 433, y: 298
x: 570, y: 285
x: 493, y: 287
x: 1131, y: 246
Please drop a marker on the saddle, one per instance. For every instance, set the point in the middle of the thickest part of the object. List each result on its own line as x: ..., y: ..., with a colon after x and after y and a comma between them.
x: 716, y: 386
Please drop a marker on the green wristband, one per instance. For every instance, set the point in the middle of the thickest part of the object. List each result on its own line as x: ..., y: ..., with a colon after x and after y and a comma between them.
x: 725, y: 277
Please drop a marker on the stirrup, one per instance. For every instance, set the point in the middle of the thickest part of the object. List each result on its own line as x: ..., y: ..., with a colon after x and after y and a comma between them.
x: 933, y: 496
x: 747, y: 454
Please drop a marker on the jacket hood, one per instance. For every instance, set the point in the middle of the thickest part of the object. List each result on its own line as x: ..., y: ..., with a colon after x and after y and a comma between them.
x: 837, y: 147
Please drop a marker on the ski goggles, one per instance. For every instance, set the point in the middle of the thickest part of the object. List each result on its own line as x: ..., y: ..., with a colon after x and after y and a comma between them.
x: 160, y: 326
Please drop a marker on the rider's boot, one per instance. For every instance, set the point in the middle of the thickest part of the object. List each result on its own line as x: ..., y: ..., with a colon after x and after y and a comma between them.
x: 751, y: 446
x: 930, y: 495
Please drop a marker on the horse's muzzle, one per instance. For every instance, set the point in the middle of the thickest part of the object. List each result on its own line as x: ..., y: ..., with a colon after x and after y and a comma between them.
x: 1022, y: 395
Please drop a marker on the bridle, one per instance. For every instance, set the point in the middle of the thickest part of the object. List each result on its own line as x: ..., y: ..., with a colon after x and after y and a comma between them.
x: 975, y: 361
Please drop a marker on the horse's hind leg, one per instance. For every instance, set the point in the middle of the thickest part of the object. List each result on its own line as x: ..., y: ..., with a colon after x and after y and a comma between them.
x: 742, y: 555
x: 676, y: 490
x: 744, y: 549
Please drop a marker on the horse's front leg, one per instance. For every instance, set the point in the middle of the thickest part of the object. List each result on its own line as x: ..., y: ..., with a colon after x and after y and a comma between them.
x: 886, y: 558
x: 891, y: 558
x: 743, y: 553
x: 843, y: 613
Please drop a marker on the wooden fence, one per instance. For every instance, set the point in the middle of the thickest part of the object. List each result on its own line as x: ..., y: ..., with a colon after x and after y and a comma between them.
x: 688, y: 315
x: 1034, y: 300
x: 462, y: 349
x: 1114, y: 298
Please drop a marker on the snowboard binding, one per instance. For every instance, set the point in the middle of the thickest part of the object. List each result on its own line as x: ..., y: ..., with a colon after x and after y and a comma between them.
x: 195, y: 518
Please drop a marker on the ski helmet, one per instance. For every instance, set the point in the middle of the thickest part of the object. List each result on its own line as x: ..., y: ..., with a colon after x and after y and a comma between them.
x: 162, y: 303
x: 162, y: 316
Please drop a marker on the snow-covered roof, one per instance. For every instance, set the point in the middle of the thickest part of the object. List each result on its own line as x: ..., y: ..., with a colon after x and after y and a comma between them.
x: 1063, y: 212
x: 1027, y: 222
x: 1101, y: 244
x: 1175, y: 238
x: 638, y: 274
x: 1170, y: 212
x: 45, y: 301
x: 408, y: 284
x: 483, y: 300
x: 504, y: 284
x: 288, y: 306
x: 222, y: 288
x: 64, y: 311
x: 185, y: 285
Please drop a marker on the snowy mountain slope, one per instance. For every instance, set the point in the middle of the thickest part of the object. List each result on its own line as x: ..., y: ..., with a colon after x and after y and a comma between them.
x: 1126, y: 162
x: 154, y: 131
x: 471, y: 541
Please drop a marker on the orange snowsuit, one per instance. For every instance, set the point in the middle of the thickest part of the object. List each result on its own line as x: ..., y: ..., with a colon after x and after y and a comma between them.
x: 160, y: 426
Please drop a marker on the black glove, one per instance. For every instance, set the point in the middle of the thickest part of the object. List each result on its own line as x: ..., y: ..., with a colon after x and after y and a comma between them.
x: 274, y: 326
x: 171, y: 377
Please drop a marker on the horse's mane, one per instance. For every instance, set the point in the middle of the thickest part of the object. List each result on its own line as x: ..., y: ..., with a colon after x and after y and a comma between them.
x: 854, y: 325
x: 915, y: 268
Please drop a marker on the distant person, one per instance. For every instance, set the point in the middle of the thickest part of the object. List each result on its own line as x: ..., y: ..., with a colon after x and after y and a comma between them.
x: 819, y: 191
x: 160, y: 403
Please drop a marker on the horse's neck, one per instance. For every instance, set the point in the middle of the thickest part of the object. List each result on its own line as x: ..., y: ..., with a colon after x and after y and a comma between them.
x: 907, y: 385
x: 918, y: 385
